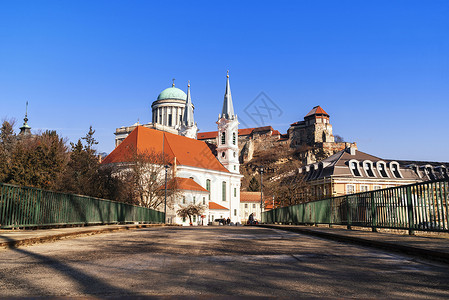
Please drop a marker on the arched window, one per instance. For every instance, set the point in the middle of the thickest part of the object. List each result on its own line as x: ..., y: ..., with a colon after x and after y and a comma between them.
x: 208, y: 186
x: 223, y: 138
x: 223, y: 191
x: 233, y: 138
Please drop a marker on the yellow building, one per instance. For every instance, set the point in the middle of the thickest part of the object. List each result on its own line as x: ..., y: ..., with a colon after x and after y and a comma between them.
x: 351, y: 171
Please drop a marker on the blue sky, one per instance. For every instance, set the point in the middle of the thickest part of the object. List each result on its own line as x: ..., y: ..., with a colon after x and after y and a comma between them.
x: 379, y: 68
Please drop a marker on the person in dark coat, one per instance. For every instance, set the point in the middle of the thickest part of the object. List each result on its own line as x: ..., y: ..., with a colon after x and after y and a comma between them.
x: 251, y: 219
x: 228, y: 221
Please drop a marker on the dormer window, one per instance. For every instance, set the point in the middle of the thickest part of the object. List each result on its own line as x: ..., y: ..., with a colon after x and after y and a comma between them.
x: 444, y: 173
x: 382, y: 169
x: 429, y: 172
x: 368, y: 168
x: 394, y: 168
x: 354, y: 167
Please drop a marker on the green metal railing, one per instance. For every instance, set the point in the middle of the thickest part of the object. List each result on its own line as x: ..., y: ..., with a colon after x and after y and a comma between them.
x: 420, y: 206
x: 30, y: 207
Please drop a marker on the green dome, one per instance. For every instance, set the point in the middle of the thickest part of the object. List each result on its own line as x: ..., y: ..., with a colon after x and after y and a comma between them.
x: 172, y: 93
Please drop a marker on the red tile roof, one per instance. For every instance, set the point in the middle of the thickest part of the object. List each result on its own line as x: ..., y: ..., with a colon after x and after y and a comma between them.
x: 206, y: 135
x: 252, y: 197
x: 188, y: 152
x: 244, y: 131
x: 213, y: 205
x: 184, y: 184
x: 316, y: 110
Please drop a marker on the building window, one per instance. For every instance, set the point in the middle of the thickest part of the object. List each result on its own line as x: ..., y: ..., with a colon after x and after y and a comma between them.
x: 254, y: 205
x: 170, y: 120
x: 381, y: 169
x: 194, y: 218
x: 368, y: 168
x: 377, y: 187
x: 223, y: 191
x: 364, y: 188
x: 235, y: 154
x: 180, y: 119
x: 235, y: 192
x: 246, y: 205
x: 350, y: 189
x: 223, y: 138
x: 183, y: 199
x: 233, y: 138
x: 354, y: 166
x: 204, y: 200
x: 235, y: 168
x: 394, y: 168
x: 235, y: 212
x: 208, y: 186
x: 194, y: 199
x: 183, y: 219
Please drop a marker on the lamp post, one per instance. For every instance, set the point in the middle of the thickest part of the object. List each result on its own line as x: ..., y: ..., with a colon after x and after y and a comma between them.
x: 165, y: 200
x: 261, y: 191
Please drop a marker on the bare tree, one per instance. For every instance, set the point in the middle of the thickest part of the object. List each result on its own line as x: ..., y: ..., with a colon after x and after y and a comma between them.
x: 144, y: 174
x: 288, y: 186
x: 190, y: 210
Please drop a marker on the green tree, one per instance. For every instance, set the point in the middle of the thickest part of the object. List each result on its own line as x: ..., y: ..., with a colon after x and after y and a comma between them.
x: 39, y: 161
x: 82, y: 172
x: 7, y: 143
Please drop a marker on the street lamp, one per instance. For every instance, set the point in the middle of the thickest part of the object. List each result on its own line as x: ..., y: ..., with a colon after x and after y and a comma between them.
x: 261, y: 191
x: 165, y: 200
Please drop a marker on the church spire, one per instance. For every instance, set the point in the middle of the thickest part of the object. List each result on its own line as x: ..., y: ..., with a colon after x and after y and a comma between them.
x: 228, y: 108
x: 188, y: 110
x: 25, y: 129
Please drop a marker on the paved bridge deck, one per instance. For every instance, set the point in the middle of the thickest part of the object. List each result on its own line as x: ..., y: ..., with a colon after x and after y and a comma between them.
x: 433, y: 248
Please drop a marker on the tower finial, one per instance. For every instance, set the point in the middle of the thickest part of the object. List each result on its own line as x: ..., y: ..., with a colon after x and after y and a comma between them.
x: 227, y: 73
x: 25, y: 129
x: 188, y: 83
x: 173, y: 84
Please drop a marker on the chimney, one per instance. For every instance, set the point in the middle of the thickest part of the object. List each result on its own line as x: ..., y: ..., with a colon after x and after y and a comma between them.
x: 351, y: 150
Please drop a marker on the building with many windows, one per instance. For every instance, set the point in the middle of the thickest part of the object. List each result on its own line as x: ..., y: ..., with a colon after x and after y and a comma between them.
x: 200, y: 177
x: 351, y: 171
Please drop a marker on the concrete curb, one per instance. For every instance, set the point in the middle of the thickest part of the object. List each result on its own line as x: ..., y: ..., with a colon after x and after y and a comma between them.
x: 396, y: 247
x: 82, y: 232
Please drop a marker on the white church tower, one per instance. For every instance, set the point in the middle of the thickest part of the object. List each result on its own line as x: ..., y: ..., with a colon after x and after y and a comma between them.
x: 188, y: 126
x: 227, y: 144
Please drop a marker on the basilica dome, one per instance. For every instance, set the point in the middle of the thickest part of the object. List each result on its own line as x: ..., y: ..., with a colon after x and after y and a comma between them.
x: 172, y: 93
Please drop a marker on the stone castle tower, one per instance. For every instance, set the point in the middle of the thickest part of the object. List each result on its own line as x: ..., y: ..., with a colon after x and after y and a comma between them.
x: 313, y: 136
x: 314, y: 129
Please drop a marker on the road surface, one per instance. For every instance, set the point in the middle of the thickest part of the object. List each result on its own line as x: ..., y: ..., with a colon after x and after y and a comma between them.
x: 215, y: 261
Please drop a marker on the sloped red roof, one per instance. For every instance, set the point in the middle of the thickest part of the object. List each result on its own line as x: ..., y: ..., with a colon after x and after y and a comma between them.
x: 214, y: 134
x: 252, y: 197
x: 316, y: 110
x: 207, y: 135
x: 213, y: 205
x: 264, y: 128
x: 188, y: 152
x: 245, y: 131
x: 185, y: 184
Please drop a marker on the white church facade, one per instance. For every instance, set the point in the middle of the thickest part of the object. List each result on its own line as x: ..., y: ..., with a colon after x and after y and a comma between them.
x: 201, y: 177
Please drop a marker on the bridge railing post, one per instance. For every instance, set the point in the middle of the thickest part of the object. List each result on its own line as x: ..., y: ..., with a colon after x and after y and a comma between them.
x: 411, y: 223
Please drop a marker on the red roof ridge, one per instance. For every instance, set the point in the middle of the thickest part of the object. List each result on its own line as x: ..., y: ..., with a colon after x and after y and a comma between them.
x: 213, y: 205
